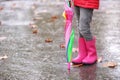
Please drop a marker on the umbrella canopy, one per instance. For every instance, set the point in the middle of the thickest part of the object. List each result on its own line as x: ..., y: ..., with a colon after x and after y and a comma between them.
x: 68, y: 30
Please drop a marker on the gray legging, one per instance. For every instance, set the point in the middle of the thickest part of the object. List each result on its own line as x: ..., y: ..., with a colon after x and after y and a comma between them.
x: 84, y: 17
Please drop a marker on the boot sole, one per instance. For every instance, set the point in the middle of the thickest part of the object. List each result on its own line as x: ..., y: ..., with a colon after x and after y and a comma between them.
x: 89, y: 63
x: 74, y: 63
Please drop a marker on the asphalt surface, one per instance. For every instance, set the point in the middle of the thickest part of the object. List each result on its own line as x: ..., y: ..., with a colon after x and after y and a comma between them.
x: 26, y: 24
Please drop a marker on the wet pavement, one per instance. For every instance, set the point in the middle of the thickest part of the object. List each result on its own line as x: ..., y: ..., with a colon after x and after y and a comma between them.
x: 31, y: 58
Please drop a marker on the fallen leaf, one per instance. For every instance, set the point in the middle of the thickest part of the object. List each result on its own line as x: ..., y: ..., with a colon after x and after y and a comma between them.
x: 62, y: 45
x: 13, y: 6
x: 35, y: 31
x: 78, y: 65
x: 3, y: 57
x: 36, y: 13
x: 75, y: 50
x: 1, y: 8
x: 110, y: 64
x: 33, y: 25
x: 99, y: 60
x: 53, y: 18
x: 2, y: 38
x: 48, y: 40
x: 34, y: 6
x: 37, y: 18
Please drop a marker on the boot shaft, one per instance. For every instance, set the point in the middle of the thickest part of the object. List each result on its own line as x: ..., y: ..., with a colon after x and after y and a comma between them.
x: 91, y: 52
x: 91, y: 46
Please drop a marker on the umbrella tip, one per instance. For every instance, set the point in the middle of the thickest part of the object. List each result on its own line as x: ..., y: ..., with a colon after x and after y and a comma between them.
x: 68, y: 66
x: 68, y: 71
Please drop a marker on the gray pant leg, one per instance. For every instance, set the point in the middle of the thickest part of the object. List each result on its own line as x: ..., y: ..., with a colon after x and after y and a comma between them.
x: 77, y: 11
x: 84, y: 23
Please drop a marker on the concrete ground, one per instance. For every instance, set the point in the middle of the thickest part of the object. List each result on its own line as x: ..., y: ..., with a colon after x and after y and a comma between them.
x: 26, y: 24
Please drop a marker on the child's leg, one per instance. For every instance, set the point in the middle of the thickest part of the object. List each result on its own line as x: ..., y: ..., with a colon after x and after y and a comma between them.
x: 84, y: 23
x: 82, y: 53
x: 77, y: 11
x: 87, y: 50
x: 84, y: 28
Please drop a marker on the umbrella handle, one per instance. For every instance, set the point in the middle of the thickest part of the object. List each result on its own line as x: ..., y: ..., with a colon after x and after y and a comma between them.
x: 69, y: 2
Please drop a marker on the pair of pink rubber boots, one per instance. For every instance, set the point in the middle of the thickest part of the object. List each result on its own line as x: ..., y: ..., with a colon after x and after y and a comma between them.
x: 87, y: 52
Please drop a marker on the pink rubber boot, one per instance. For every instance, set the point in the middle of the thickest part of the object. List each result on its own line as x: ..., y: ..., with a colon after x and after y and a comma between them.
x: 91, y: 50
x: 82, y: 53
